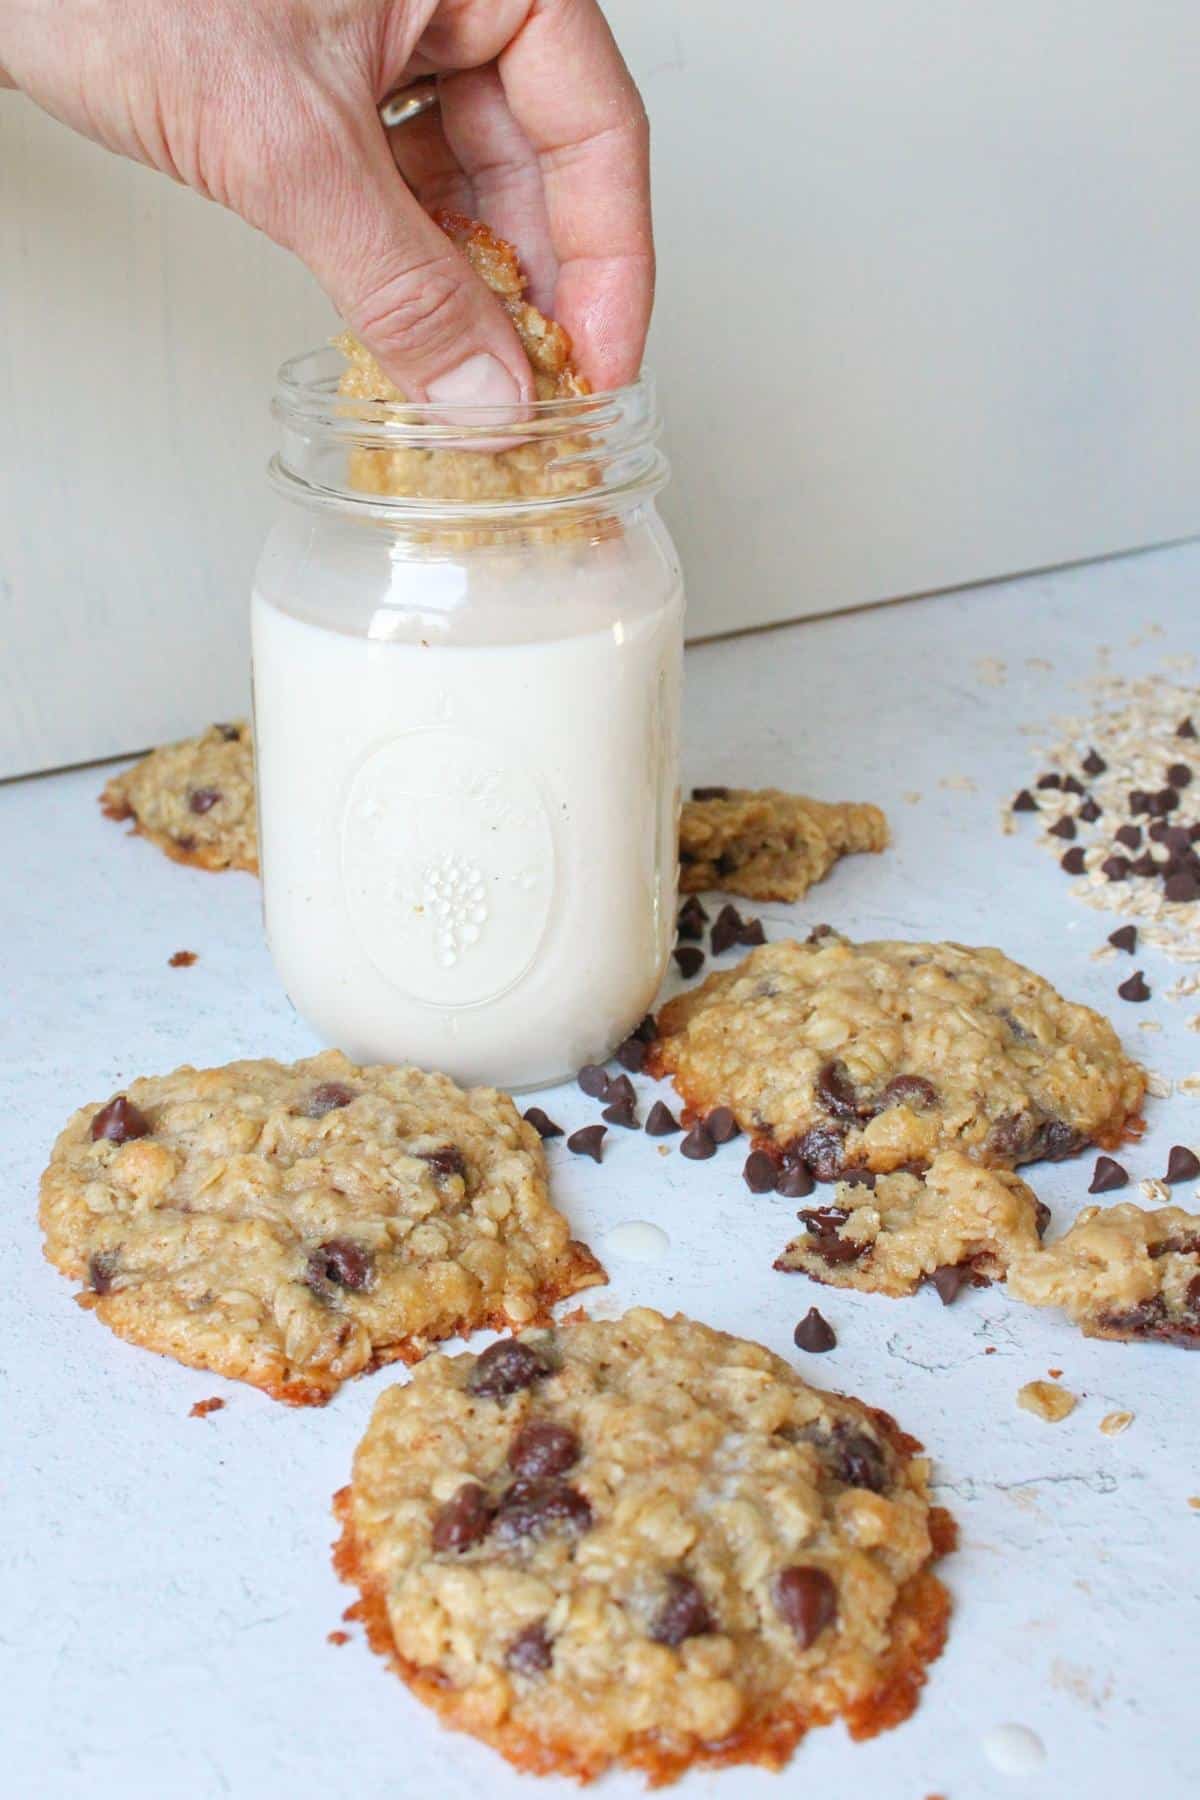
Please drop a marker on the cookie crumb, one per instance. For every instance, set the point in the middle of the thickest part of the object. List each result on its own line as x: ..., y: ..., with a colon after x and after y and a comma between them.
x: 913, y: 798
x: 1194, y: 1502
x: 182, y: 959
x: 989, y: 1350
x: 1114, y: 1423
x: 202, y: 1408
x: 1046, y: 1401
x: 1056, y: 1373
x: 337, y: 1637
x: 960, y: 784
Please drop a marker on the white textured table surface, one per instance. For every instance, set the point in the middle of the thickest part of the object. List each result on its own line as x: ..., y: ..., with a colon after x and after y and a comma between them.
x: 166, y: 1580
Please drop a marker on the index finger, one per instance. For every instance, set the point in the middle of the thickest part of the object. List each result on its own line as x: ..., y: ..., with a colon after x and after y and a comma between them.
x: 577, y: 104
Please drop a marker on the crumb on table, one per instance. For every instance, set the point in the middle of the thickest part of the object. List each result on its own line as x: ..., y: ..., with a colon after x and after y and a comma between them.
x: 1046, y: 1400
x: 182, y: 959
x: 202, y: 1408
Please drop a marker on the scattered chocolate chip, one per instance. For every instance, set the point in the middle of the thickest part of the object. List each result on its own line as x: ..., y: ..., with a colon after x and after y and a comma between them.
x: 794, y: 1181
x: 949, y: 1281
x: 1185, y: 729
x: 683, y: 1613
x: 1175, y: 837
x: 534, y: 1506
x: 1025, y: 802
x: 182, y: 959
x: 752, y: 934
x: 1135, y: 988
x: 328, y: 1098
x: 698, y: 1146
x: 1049, y: 781
x: 1182, y: 888
x: 545, y: 1127
x: 202, y: 800
x: 837, y: 1093
x: 119, y: 1121
x: 543, y: 1448
x: 721, y: 1125
x: 1165, y: 801
x: 1063, y: 828
x: 621, y: 1112
x: 759, y: 1173
x: 102, y: 1271
x: 632, y: 1054
x: 1094, y: 763
x: 806, y: 1600
x: 692, y: 919
x: 710, y: 793
x: 814, y: 1333
x: 908, y: 1090
x: 1145, y: 865
x: 690, y: 960
x: 1107, y: 1176
x: 620, y: 1088
x: 588, y: 1141
x: 1182, y: 1164
x: 593, y: 1079
x: 339, y: 1262
x: 529, y: 1652
x: 1179, y: 775
x: 661, y: 1121
x: 1124, y: 938
x: 464, y: 1520
x: 1072, y: 785
x: 1139, y: 800
x: 1158, y: 831
x: 822, y: 1148
x: 1115, y: 867
x: 727, y: 930
x: 446, y: 1160
x: 1089, y: 812
x: 647, y: 1030
x: 1073, y: 861
x: 504, y: 1368
x: 1131, y: 836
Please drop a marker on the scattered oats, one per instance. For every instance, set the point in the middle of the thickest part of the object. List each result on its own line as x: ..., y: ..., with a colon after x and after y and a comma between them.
x: 1114, y: 1423
x: 1156, y: 1189
x: 1193, y: 1023
x: 1181, y: 664
x: 1194, y: 1502
x: 913, y: 798
x: 1046, y: 1400
x: 1105, y: 953
x: 991, y: 671
x: 1190, y: 1084
x: 1160, y: 1088
x: 1037, y: 662
x: 1184, y: 988
x: 1149, y: 1025
x: 962, y: 784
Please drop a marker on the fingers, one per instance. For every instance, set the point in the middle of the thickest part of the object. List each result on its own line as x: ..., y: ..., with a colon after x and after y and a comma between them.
x: 575, y: 101
x: 429, y: 166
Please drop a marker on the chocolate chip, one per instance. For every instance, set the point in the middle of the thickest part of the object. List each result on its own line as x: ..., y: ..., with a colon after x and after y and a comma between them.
x: 532, y: 1507
x: 721, y: 1125
x: 1135, y: 988
x: 339, y: 1262
x: 1139, y: 800
x: 447, y: 1160
x: 545, y: 1127
x: 690, y: 960
x: 504, y: 1368
x: 692, y: 919
x: 949, y: 1281
x: 1049, y: 781
x: 1063, y: 828
x: 328, y: 1098
x: 1179, y: 775
x: 187, y: 843
x: 1026, y: 1136
x: 1165, y: 801
x: 837, y: 1093
x: 1182, y: 1164
x: 202, y: 800
x: 120, y: 1121
x: 464, y: 1520
x: 1089, y: 812
x: 806, y: 1601
x: 1145, y: 865
x: 1074, y: 861
x: 621, y: 1112
x: 1115, y: 867
x: 230, y: 733
x: 859, y: 1461
x: 1182, y: 888
x: 102, y: 1271
x: 710, y: 793
x: 1041, y: 1217
x: 661, y: 1121
x: 620, y: 1088
x: 698, y: 1145
x: 759, y: 1173
x: 794, y: 1181
x: 529, y: 1652
x: 1107, y: 1176
x: 594, y: 1080
x: 1131, y: 836
x: 908, y: 1090
x: 752, y: 934
x: 727, y: 930
x: 1094, y: 763
x: 822, y: 1224
x: 588, y: 1141
x: 814, y: 1333
x: 860, y: 1178
x: 682, y: 1614
x: 543, y: 1448
x: 822, y: 1148
x: 632, y: 1054
x: 1025, y: 802
x: 1124, y: 938
x: 1072, y: 785
x: 1185, y: 729
x: 1159, y: 831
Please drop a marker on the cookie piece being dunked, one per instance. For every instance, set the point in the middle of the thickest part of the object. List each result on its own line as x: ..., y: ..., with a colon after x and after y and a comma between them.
x: 767, y: 845
x: 642, y: 1542
x: 293, y: 1225
x: 876, y: 1056
x: 194, y: 799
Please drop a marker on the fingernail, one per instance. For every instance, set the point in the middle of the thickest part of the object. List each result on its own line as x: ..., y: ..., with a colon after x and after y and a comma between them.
x: 481, y: 380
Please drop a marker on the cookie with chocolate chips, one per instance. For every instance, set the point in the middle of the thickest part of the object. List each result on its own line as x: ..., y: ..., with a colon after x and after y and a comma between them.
x: 958, y: 1223
x: 768, y: 845
x: 195, y: 799
x: 875, y: 1056
x: 1121, y: 1272
x: 651, y: 1545
x: 293, y: 1225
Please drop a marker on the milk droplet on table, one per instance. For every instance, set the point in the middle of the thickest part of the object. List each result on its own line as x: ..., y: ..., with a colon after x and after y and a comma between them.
x: 637, y: 1240
x: 1014, y: 1749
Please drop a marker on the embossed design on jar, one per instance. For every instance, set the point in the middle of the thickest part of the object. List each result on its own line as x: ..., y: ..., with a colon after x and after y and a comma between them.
x: 447, y: 865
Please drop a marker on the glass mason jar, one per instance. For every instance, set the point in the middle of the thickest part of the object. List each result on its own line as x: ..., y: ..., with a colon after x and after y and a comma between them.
x: 467, y: 660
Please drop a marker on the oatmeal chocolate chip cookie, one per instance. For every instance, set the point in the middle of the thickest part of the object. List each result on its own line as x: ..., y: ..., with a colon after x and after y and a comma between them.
x: 645, y: 1542
x: 957, y: 1223
x: 876, y: 1056
x: 768, y: 845
x: 195, y: 800
x: 293, y: 1225
x: 1121, y: 1272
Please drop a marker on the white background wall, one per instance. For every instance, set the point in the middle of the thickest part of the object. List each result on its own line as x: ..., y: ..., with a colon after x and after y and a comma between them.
x: 929, y: 311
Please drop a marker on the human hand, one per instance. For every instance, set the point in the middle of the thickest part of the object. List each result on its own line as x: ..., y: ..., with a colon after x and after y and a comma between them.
x: 270, y: 108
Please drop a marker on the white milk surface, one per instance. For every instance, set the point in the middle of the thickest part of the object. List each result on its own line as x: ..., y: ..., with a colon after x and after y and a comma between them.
x: 469, y: 848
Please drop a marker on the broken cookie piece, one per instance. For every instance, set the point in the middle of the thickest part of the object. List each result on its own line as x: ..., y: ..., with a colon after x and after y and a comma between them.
x: 955, y: 1224
x: 1121, y: 1272
x: 768, y: 845
x: 194, y: 799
